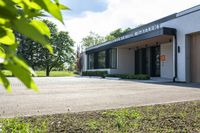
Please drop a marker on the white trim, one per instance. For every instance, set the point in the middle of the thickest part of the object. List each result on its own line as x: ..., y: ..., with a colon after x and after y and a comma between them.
x: 117, y: 59
x: 174, y: 64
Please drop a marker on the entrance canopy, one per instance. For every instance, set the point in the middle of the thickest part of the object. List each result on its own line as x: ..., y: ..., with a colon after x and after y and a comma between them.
x: 159, y: 35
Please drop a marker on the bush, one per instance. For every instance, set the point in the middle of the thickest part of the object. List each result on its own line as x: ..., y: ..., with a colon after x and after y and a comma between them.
x: 95, y: 73
x: 130, y: 76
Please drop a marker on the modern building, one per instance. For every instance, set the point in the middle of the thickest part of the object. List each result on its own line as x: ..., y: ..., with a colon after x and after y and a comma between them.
x: 167, y: 48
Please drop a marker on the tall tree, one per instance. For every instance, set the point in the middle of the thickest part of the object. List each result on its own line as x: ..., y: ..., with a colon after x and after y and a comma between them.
x: 92, y: 39
x: 39, y: 57
x: 63, y: 53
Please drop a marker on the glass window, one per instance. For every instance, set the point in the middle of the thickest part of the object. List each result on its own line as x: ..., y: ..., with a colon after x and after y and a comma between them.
x: 102, y: 59
x: 91, y: 61
x: 113, y: 58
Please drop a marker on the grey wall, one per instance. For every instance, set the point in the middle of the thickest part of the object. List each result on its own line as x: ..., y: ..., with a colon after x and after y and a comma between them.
x: 126, y: 60
x: 167, y: 65
x: 84, y: 61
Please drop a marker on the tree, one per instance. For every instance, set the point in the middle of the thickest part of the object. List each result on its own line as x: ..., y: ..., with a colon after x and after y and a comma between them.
x: 19, y: 15
x: 63, y: 53
x: 39, y: 58
x: 28, y: 50
x: 116, y: 33
x: 92, y: 39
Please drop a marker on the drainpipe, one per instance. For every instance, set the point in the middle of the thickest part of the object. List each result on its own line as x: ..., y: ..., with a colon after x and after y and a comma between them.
x: 176, y: 55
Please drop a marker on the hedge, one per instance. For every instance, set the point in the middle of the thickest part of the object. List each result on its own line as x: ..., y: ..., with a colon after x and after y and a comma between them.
x: 104, y: 74
x: 130, y: 76
x: 95, y: 73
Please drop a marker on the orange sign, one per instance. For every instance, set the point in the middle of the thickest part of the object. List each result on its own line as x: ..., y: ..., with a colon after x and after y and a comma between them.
x: 162, y: 58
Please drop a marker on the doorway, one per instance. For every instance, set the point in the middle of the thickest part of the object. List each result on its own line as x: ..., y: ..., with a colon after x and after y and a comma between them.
x: 147, y: 61
x: 155, y: 61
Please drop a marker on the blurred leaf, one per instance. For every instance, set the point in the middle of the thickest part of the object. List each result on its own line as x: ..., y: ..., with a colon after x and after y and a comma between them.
x: 42, y: 27
x: 52, y: 8
x: 6, y: 36
x: 4, y: 21
x: 5, y: 82
x: 7, y: 9
x: 63, y: 7
x: 2, y: 53
x: 24, y: 65
x: 34, y: 30
x: 20, y: 71
x: 31, y: 4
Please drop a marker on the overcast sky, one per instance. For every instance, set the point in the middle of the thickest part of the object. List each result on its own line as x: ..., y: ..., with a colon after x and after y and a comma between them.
x: 104, y: 16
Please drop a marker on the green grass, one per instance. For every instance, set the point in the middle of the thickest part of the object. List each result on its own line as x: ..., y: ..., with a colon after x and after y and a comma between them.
x: 168, y: 118
x: 55, y: 73
x: 20, y: 125
x: 43, y: 73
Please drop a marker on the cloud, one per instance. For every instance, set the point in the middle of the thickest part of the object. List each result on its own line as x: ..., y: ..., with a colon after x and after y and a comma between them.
x: 122, y: 14
x: 84, y: 5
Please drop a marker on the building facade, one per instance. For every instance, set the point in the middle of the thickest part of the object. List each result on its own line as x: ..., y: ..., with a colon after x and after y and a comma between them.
x: 167, y: 48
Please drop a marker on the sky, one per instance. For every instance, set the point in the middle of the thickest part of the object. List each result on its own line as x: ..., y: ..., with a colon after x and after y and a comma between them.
x: 104, y: 16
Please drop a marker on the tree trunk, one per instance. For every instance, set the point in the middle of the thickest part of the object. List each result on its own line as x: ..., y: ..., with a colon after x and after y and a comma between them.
x: 47, y: 64
x: 47, y: 71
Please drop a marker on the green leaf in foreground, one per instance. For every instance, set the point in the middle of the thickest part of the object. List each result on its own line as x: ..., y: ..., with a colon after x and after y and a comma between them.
x: 5, y: 82
x: 35, y: 30
x: 6, y: 36
x: 21, y: 71
x: 51, y: 7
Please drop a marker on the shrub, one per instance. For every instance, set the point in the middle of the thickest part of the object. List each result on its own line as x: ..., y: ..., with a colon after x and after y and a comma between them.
x: 95, y: 73
x: 130, y: 76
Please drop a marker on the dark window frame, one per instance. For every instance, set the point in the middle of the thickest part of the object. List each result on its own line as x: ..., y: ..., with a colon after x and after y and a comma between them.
x: 108, y: 59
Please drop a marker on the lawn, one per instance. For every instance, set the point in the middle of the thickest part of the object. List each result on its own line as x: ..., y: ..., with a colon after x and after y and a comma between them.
x: 43, y: 74
x: 55, y: 73
x: 176, y: 117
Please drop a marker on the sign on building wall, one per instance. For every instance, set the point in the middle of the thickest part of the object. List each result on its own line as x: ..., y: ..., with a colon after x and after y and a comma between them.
x: 163, y: 58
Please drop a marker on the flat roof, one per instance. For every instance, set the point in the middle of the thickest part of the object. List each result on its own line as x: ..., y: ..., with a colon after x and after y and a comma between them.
x: 145, y: 36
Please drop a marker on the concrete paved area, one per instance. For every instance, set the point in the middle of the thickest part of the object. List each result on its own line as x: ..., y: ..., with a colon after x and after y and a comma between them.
x: 75, y: 94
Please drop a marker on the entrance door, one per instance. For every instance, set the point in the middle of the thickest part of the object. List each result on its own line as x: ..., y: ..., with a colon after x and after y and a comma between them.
x: 155, y: 61
x: 195, y: 57
x: 140, y: 61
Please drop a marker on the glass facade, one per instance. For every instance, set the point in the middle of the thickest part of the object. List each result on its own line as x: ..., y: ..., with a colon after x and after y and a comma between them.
x: 113, y: 58
x: 103, y: 59
x: 91, y: 61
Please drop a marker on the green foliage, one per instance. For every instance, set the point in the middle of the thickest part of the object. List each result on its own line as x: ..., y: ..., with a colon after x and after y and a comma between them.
x: 130, y: 76
x: 95, y: 73
x: 16, y: 125
x: 92, y: 39
x: 116, y: 33
x: 39, y: 58
x: 95, y: 39
x: 19, y: 16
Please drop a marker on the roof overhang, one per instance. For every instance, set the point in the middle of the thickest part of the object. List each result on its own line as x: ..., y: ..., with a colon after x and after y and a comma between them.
x: 148, y: 35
